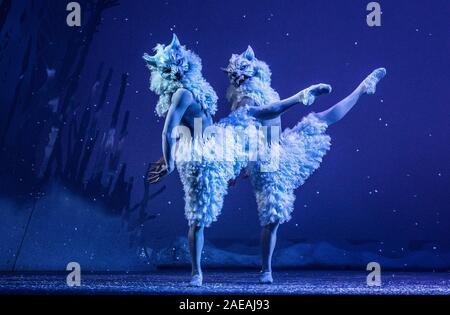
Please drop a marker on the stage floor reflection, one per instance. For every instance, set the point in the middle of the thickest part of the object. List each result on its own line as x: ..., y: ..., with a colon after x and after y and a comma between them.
x: 229, y: 282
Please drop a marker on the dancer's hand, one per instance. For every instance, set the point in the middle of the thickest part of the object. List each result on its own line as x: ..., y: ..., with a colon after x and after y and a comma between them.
x: 157, y: 171
x: 308, y: 95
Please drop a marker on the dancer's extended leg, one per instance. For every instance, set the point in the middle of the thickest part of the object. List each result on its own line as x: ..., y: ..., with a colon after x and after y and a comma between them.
x: 196, y: 241
x: 338, y: 111
x: 268, y: 242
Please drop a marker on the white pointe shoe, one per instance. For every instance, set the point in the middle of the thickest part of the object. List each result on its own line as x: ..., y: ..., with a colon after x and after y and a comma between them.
x: 196, y: 281
x: 266, y: 277
x: 370, y: 83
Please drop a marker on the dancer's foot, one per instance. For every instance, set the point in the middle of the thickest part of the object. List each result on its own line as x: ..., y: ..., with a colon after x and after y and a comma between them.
x: 369, y: 84
x: 266, y: 277
x: 308, y: 96
x: 196, y: 280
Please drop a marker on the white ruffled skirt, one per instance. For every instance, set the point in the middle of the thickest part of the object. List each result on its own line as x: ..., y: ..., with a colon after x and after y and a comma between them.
x: 300, y: 152
x: 207, y: 164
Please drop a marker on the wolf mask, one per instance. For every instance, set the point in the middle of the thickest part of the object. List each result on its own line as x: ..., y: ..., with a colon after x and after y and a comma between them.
x: 173, y: 67
x: 249, y: 77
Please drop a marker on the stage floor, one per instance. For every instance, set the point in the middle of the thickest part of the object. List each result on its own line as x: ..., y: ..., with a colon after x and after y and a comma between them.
x: 229, y: 282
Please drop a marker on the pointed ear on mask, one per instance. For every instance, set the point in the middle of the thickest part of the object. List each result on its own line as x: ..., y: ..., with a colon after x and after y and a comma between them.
x: 175, y: 44
x: 151, y: 60
x: 249, y: 54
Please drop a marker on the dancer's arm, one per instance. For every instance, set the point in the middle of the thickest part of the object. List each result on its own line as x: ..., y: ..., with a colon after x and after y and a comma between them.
x: 275, y: 109
x: 306, y: 96
x: 180, y: 102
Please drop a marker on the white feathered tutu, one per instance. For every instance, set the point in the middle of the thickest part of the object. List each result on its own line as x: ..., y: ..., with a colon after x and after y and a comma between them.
x: 207, y: 164
x: 300, y: 152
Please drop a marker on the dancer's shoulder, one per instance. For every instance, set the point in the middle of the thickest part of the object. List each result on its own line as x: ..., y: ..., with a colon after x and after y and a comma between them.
x: 182, y: 96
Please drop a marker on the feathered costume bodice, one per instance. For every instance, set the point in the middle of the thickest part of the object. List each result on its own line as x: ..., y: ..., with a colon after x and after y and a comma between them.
x: 259, y: 91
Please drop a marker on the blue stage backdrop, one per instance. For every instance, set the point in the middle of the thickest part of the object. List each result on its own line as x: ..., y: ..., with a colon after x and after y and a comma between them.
x: 78, y: 130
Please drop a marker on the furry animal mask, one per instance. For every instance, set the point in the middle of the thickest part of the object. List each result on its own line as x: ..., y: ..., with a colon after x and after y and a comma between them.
x: 249, y: 77
x: 173, y: 67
